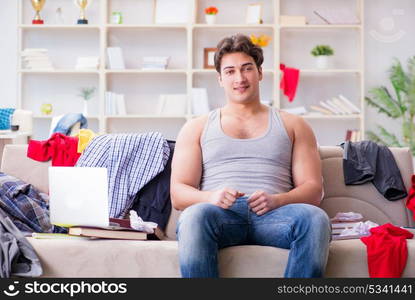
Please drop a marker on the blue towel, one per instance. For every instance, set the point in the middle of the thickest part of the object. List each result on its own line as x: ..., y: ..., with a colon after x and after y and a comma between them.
x: 5, y: 114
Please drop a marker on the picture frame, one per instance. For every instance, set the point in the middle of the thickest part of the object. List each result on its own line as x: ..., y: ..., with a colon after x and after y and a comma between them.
x: 163, y: 11
x: 254, y: 13
x: 209, y: 58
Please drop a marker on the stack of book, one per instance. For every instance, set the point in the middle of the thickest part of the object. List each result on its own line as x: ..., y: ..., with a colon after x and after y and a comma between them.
x: 155, y: 62
x: 118, y: 229
x: 336, y: 106
x: 87, y: 63
x: 115, y: 58
x: 114, y: 104
x: 353, y: 135
x: 286, y: 20
x: 36, y: 58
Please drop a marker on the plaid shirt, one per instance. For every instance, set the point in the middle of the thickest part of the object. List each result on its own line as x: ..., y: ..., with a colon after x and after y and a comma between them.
x: 132, y: 160
x: 28, y: 208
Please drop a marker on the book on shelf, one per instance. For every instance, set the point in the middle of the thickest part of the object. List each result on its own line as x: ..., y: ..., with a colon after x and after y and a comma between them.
x: 36, y: 58
x: 299, y: 110
x: 115, y: 58
x: 350, y: 104
x: 321, y: 110
x: 120, y: 104
x: 342, y: 106
x: 333, y: 105
x: 292, y: 20
x: 114, y: 104
x: 329, y: 107
x: 113, y: 233
x: 200, y: 102
x: 155, y: 62
x: 352, y: 135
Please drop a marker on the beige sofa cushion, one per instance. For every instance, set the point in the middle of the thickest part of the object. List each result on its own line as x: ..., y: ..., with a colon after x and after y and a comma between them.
x: 16, y: 163
x: 112, y: 258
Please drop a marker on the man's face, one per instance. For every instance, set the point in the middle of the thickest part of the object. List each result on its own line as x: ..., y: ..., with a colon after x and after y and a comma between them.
x: 239, y: 76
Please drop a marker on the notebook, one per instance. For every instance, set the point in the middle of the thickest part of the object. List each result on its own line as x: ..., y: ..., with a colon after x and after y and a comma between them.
x: 78, y: 196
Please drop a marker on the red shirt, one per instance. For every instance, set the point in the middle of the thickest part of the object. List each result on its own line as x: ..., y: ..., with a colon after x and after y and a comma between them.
x: 60, y: 148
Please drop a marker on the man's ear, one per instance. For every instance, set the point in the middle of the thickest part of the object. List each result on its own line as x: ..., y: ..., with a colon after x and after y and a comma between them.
x: 260, y: 73
x: 220, y: 79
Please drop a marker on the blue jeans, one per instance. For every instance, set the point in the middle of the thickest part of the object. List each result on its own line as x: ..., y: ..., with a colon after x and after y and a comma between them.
x: 205, y: 228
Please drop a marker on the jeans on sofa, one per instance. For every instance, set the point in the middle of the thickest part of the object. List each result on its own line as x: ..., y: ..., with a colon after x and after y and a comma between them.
x: 204, y: 228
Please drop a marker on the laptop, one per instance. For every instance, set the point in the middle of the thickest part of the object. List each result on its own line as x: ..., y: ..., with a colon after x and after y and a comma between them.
x: 78, y: 196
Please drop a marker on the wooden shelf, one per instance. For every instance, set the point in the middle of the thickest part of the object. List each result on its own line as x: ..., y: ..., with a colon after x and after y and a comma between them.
x: 138, y: 71
x: 46, y: 27
x: 328, y: 26
x: 58, y: 71
x: 147, y: 117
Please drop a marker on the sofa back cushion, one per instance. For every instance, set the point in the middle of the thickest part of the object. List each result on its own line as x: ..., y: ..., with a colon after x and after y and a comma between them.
x: 338, y: 197
x: 16, y: 163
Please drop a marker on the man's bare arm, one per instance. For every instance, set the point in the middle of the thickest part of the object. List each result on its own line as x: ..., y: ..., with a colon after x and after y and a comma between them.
x: 186, y: 169
x: 306, y: 167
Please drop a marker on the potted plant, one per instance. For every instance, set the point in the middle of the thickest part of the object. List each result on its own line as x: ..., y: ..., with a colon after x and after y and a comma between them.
x: 86, y: 94
x: 210, y: 14
x: 322, y: 53
x: 400, y: 106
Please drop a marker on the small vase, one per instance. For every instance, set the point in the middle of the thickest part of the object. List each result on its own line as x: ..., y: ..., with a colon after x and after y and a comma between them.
x: 322, y: 62
x: 85, y: 110
x: 210, y: 19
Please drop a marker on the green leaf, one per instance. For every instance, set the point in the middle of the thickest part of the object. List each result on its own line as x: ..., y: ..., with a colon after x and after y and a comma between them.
x: 385, y: 102
x: 398, y: 79
x: 390, y: 139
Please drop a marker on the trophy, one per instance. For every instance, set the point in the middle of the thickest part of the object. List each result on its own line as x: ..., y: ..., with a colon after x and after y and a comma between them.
x: 82, y: 4
x: 37, y: 5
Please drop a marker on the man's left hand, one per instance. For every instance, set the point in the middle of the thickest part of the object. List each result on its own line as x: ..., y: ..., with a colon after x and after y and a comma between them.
x: 261, y: 202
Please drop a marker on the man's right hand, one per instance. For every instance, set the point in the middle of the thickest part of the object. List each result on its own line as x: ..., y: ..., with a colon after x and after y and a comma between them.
x: 224, y: 197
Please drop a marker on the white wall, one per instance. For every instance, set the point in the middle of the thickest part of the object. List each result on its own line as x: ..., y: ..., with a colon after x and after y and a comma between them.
x: 389, y: 33
x: 8, y: 55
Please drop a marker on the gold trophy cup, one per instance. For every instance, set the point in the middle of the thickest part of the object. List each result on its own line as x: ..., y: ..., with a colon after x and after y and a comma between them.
x: 37, y: 5
x: 82, y: 4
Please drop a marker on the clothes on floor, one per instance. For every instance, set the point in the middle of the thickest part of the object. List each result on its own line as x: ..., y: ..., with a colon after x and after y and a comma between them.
x: 26, y: 207
x: 60, y: 148
x: 5, y: 116
x: 387, y: 250
x: 17, y: 256
x: 410, y: 201
x: 132, y: 161
x: 67, y: 121
x: 289, y: 81
x: 84, y: 136
x: 152, y: 202
x: 367, y: 161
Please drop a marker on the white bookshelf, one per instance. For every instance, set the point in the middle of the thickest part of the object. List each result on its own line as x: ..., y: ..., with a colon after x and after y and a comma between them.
x: 138, y: 36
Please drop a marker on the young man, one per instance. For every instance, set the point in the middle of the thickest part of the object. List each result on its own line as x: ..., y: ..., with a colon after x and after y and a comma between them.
x: 248, y: 174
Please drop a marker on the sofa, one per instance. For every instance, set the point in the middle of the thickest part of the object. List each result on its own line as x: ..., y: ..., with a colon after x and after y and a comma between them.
x: 159, y: 258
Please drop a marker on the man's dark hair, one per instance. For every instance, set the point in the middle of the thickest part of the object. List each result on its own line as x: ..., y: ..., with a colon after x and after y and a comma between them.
x: 238, y: 43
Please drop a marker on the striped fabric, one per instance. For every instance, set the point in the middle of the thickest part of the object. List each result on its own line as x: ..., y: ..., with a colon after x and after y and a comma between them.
x: 5, y: 114
x: 27, y: 208
x: 132, y: 160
